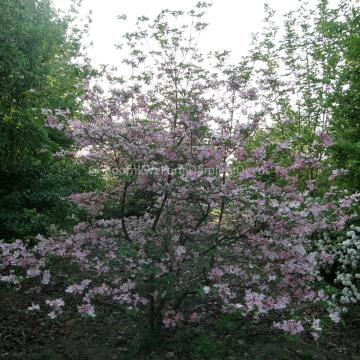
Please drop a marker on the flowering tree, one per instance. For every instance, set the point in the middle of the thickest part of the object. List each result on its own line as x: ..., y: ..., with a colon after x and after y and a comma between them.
x: 220, y: 224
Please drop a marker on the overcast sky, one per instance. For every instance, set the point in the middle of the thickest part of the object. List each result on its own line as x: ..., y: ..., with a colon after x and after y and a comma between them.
x: 231, y: 22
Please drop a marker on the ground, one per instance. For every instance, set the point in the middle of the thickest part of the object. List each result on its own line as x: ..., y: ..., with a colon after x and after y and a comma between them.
x: 111, y: 336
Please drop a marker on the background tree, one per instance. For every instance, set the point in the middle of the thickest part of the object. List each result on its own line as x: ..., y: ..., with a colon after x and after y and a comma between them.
x: 41, y: 67
x: 345, y: 123
x: 304, y: 75
x: 310, y: 79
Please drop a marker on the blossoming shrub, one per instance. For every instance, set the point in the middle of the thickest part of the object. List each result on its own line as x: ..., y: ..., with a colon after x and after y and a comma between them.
x: 224, y: 226
x: 238, y: 239
x: 340, y: 257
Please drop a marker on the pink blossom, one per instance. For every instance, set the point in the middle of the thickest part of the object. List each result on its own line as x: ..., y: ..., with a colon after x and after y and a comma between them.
x: 52, y: 315
x: 315, y: 335
x: 179, y: 317
x: 216, y: 274
x: 240, y: 154
x: 78, y: 288
x: 180, y: 252
x: 253, y: 299
x: 46, y: 277
x: 56, y: 305
x: 293, y: 327
x: 326, y: 258
x: 194, y: 317
x: 316, y: 325
x: 33, y: 272
x: 87, y: 309
x: 168, y: 322
x: 34, y: 307
x: 326, y: 139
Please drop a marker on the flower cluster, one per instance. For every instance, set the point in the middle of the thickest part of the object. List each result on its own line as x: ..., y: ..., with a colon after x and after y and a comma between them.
x: 293, y: 327
x: 342, y: 256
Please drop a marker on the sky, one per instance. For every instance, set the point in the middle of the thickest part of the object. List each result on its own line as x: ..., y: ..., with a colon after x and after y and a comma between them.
x: 231, y: 22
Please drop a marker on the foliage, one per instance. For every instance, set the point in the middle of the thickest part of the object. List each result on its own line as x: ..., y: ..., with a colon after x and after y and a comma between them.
x: 308, y: 76
x: 346, y: 100
x: 40, y: 68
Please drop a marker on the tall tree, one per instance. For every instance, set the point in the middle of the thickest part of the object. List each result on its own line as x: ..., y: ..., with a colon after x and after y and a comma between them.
x: 345, y: 123
x: 41, y: 67
x: 309, y: 78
